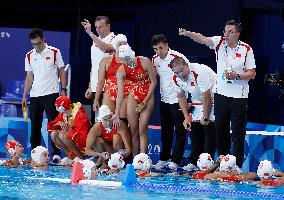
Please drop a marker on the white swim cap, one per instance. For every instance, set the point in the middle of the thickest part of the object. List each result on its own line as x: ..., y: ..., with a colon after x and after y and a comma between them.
x: 142, y: 162
x: 104, y: 111
x: 36, y: 154
x: 82, y: 170
x: 265, y: 169
x: 228, y: 163
x: 204, y: 161
x: 87, y: 168
x: 120, y: 38
x: 125, y: 51
x: 116, y: 161
x: 11, y: 147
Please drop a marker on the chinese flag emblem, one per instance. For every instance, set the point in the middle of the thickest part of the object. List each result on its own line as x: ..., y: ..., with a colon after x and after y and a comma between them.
x: 238, y: 55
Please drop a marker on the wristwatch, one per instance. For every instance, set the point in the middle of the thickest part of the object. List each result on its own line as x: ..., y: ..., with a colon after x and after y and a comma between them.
x: 205, y: 119
x: 64, y: 89
x: 238, y: 77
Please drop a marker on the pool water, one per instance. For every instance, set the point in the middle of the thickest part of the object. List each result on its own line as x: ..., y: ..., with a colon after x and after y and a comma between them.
x: 25, y: 183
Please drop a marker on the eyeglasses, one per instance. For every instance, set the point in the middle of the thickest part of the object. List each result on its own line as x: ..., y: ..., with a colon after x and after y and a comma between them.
x: 37, y: 44
x: 229, y: 32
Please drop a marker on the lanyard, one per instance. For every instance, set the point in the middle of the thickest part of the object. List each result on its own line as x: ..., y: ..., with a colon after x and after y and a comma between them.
x: 229, y: 65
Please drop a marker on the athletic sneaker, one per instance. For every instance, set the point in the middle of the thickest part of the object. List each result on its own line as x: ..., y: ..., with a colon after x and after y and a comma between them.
x: 65, y: 161
x: 56, y: 159
x: 160, y: 164
x: 76, y: 160
x: 190, y: 167
x: 173, y: 165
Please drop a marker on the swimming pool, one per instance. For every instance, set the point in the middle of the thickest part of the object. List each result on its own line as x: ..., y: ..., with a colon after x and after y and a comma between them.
x: 24, y: 183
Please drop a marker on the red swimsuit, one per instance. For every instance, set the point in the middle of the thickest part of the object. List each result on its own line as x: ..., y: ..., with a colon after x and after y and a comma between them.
x: 107, y: 136
x: 231, y: 178
x: 137, y: 81
x: 110, y: 87
x: 199, y: 175
x: 270, y: 182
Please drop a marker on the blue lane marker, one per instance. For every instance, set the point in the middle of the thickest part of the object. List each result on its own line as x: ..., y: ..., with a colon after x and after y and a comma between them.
x: 148, y: 186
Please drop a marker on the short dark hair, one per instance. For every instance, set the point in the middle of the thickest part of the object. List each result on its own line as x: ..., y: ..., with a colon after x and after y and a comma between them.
x: 36, y: 32
x: 236, y: 24
x: 106, y: 18
x: 176, y: 62
x: 156, y: 39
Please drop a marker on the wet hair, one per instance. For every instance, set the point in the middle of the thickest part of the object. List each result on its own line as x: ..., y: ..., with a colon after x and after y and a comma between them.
x: 106, y: 18
x: 236, y: 24
x: 177, y: 62
x: 36, y: 32
x: 156, y: 39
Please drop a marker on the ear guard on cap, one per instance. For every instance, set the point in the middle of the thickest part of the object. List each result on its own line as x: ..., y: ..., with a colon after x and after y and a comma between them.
x: 125, y: 51
x: 11, y: 147
x: 265, y: 169
x: 104, y: 110
x: 36, y: 154
x: 62, y: 103
x: 228, y: 163
x: 116, y: 161
x: 82, y: 170
x: 142, y: 162
x: 204, y: 161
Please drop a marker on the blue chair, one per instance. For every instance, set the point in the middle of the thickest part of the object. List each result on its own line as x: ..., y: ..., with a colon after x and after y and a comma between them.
x: 8, y: 110
x: 14, y: 91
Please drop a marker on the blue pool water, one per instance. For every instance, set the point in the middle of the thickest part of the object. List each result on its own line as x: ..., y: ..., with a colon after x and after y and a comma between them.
x: 24, y: 183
